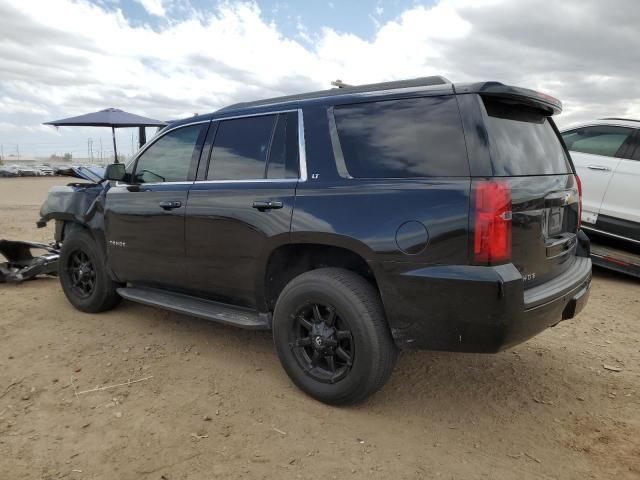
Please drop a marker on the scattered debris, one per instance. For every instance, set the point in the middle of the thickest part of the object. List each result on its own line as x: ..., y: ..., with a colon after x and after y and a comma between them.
x: 533, y: 458
x: 125, y: 384
x: 10, y: 386
x: 279, y: 431
x: 612, y: 368
x: 199, y: 437
x: 207, y: 418
x: 22, y: 265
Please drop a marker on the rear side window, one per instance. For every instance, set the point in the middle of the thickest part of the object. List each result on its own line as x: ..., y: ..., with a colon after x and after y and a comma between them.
x: 240, y: 148
x: 523, y: 141
x: 283, y: 154
x: 598, y: 140
x: 254, y: 148
x: 416, y: 137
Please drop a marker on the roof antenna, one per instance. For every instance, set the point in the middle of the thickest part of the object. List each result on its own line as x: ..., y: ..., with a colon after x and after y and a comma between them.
x: 340, y: 84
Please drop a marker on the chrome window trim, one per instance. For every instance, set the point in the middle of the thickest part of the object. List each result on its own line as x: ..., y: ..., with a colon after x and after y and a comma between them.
x: 252, y: 180
x: 302, y: 153
x: 157, y: 183
x: 302, y: 149
x: 248, y: 115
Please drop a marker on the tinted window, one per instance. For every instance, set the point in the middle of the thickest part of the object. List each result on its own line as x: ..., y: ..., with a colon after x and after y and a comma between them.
x: 523, y: 141
x: 598, y: 140
x: 240, y: 148
x: 635, y: 151
x: 283, y: 155
x: 169, y: 159
x: 416, y: 137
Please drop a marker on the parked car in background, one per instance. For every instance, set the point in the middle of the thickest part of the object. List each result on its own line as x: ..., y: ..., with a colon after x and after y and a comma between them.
x: 606, y: 154
x: 354, y: 222
x: 9, y: 171
x: 45, y: 170
x: 28, y: 171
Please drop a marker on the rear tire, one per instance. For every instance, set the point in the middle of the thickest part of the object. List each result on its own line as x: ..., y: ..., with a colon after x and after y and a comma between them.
x: 331, y: 336
x: 83, y: 274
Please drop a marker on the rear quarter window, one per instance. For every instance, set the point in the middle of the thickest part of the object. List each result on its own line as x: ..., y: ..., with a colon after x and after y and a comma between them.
x: 408, y: 138
x: 523, y: 141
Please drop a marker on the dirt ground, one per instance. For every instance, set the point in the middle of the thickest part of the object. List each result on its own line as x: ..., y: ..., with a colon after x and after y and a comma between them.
x: 215, y: 403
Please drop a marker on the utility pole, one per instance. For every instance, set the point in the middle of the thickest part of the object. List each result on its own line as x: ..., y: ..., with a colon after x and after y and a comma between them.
x: 1, y: 152
x: 101, y: 159
x: 18, y: 151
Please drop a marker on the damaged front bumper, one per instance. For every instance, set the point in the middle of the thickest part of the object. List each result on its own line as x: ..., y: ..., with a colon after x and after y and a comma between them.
x: 22, y: 265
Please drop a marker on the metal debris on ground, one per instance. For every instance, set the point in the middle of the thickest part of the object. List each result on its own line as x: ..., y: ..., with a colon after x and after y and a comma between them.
x: 22, y: 265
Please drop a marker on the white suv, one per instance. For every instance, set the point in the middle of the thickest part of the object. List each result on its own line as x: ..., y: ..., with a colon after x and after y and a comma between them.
x: 606, y: 154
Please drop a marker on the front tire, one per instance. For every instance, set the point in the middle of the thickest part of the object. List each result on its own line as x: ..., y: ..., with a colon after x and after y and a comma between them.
x: 83, y: 274
x: 332, y: 338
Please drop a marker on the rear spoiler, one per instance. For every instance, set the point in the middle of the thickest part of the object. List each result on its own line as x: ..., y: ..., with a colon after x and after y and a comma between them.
x: 547, y: 103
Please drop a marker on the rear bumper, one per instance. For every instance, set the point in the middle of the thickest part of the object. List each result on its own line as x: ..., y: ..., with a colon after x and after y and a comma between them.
x: 473, y: 308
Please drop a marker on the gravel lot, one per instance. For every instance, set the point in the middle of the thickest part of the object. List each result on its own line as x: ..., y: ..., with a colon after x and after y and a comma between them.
x: 216, y: 403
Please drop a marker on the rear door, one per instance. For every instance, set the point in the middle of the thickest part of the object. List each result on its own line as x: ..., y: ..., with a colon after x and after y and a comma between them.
x: 241, y: 208
x: 621, y: 204
x: 528, y: 157
x: 596, y: 152
x: 145, y: 217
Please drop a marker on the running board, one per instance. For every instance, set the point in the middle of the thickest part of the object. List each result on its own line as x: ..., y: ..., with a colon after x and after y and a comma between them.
x: 198, y: 307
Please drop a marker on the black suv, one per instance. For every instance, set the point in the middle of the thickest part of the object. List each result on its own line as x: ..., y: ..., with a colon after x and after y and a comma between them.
x: 352, y: 222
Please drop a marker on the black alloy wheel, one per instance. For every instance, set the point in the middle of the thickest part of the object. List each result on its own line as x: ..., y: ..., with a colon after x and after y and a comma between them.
x: 82, y: 273
x: 323, y: 342
x: 332, y: 337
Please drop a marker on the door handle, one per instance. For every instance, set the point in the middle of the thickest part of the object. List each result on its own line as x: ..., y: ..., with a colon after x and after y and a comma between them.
x: 600, y: 168
x: 269, y: 205
x: 170, y: 205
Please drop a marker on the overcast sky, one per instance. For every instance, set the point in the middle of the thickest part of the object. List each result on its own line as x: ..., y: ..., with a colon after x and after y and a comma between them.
x: 170, y: 58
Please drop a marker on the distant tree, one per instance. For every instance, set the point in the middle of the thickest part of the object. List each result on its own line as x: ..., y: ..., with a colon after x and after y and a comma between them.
x: 68, y: 156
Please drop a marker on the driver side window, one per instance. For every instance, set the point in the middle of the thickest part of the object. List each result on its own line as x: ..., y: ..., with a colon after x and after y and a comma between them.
x: 170, y: 158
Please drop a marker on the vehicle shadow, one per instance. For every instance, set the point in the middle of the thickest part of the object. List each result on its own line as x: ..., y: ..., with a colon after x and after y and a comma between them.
x: 455, y: 385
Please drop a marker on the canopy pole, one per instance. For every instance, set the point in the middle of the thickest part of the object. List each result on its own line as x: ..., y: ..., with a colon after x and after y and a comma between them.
x: 142, y: 136
x: 115, y: 150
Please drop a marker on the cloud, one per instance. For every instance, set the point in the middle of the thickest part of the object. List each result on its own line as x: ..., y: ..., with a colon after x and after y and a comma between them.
x: 65, y: 57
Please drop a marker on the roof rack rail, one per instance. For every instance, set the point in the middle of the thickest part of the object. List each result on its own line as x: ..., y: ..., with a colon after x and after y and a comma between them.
x: 344, y: 89
x: 621, y: 119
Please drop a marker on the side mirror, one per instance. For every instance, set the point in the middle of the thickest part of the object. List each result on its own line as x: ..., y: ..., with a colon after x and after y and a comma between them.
x: 115, y: 171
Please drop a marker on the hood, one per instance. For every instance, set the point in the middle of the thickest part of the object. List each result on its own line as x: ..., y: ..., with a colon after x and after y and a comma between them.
x: 94, y: 174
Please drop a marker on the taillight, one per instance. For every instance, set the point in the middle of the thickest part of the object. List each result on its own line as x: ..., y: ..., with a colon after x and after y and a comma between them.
x: 492, y: 242
x: 579, y: 182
